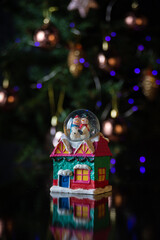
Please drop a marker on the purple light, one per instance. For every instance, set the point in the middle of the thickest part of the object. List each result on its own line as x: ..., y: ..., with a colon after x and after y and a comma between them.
x: 135, y: 88
x: 140, y: 47
x: 108, y: 38
x: 99, y: 103
x: 39, y: 85
x: 16, y: 88
x: 158, y: 61
x: 112, y: 73
x: 17, y: 40
x: 72, y: 24
x: 137, y: 70
x: 154, y: 72
x: 113, y: 34
x: 158, y: 82
x: 37, y: 44
x: 142, y: 159
x: 86, y: 64
x: 142, y: 169
x: 131, y: 101
x: 75, y: 61
x: 131, y: 222
x: 148, y: 38
x: 81, y: 60
x: 113, y: 161
x: 113, y: 170
x: 134, y: 108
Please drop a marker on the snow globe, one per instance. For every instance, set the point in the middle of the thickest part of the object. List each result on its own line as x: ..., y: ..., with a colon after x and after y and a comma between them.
x: 80, y: 125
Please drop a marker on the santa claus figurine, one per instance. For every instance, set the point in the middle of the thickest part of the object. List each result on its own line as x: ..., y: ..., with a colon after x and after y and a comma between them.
x: 85, y: 128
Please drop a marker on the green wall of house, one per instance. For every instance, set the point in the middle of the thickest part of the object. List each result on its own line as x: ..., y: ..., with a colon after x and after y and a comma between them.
x: 102, y: 162
x: 99, y: 162
x: 63, y: 164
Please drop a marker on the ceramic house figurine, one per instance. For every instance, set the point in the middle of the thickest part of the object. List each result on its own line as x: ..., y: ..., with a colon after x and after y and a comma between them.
x: 76, y: 218
x: 81, y: 159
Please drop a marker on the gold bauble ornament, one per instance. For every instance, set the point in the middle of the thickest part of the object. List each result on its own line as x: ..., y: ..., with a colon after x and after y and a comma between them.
x: 149, y: 86
x: 76, y: 59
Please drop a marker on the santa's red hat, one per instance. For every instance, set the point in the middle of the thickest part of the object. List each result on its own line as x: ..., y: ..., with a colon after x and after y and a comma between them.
x: 76, y: 116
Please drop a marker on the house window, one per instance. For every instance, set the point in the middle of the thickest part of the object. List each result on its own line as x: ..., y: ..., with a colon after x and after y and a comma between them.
x: 101, y: 210
x: 81, y: 211
x: 101, y: 174
x: 82, y: 175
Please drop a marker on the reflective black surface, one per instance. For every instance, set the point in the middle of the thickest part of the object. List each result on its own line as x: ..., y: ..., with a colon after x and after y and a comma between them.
x: 28, y: 211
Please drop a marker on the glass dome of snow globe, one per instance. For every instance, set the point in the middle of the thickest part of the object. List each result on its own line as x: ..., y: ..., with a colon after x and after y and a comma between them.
x: 81, y: 125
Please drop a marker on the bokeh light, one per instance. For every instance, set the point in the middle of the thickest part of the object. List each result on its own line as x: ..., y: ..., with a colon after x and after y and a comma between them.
x: 142, y: 159
x: 140, y: 47
x: 72, y: 24
x: 113, y: 161
x: 114, y: 113
x: 81, y: 60
x: 158, y: 82
x: 148, y: 38
x: 86, y: 64
x: 158, y: 61
x: 112, y: 73
x: 142, y: 169
x: 134, y: 108
x: 113, y: 170
x: 39, y: 85
x: 137, y: 70
x: 135, y: 88
x: 107, y: 128
x: 108, y: 38
x: 99, y: 103
x: 113, y: 34
x: 58, y: 135
x: 154, y: 72
x: 130, y: 100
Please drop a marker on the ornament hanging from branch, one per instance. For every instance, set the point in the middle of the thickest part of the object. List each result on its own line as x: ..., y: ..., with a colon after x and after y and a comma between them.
x: 149, y: 84
x: 115, y: 129
x: 8, y: 98
x: 83, y: 6
x: 46, y: 37
x: 108, y: 60
x: 3, y: 97
x: 136, y: 21
x: 76, y: 59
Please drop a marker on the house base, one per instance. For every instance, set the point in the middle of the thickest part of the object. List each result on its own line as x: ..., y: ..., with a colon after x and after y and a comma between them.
x: 80, y: 190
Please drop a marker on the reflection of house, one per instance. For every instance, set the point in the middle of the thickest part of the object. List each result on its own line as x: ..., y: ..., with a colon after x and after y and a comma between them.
x: 82, y: 167
x: 84, y: 218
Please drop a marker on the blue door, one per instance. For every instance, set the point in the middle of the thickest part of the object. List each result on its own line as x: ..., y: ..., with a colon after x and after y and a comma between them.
x: 64, y: 203
x: 64, y: 181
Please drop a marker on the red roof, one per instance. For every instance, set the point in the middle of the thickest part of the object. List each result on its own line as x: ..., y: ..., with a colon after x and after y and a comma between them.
x: 101, y: 148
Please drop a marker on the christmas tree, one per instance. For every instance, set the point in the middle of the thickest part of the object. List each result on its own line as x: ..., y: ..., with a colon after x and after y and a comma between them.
x: 58, y: 56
